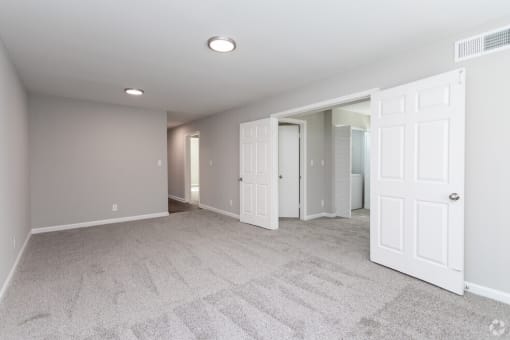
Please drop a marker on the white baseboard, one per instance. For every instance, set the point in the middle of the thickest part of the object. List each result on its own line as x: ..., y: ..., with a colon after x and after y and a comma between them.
x: 312, y: 216
x: 487, y: 292
x: 96, y: 223
x: 9, y: 277
x: 180, y: 199
x: 219, y: 211
x: 319, y: 215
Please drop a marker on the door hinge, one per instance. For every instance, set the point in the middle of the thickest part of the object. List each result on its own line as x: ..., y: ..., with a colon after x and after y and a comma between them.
x: 461, y: 77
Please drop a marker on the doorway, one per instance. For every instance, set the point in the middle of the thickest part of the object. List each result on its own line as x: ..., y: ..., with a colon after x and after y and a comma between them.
x: 352, y: 123
x: 289, y: 169
x: 416, y: 175
x: 332, y: 163
x: 192, y: 168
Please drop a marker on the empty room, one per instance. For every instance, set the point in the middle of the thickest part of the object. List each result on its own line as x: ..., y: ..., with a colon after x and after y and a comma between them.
x: 254, y: 170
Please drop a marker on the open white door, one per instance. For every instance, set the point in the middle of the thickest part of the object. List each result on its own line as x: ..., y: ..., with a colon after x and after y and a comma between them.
x: 417, y: 171
x: 366, y: 199
x: 343, y: 169
x: 288, y: 164
x: 257, y: 185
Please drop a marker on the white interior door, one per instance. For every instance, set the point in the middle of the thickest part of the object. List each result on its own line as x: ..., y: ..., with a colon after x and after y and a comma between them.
x: 256, y: 176
x: 288, y: 164
x: 366, y: 202
x: 417, y: 199
x: 343, y: 169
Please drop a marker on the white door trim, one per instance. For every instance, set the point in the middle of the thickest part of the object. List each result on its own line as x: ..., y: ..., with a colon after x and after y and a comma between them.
x: 303, y: 183
x: 187, y: 166
x: 315, y: 107
x: 326, y: 104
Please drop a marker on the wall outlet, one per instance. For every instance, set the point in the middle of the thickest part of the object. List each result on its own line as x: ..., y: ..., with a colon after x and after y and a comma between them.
x: 231, y: 203
x: 322, y: 203
x: 115, y: 207
x: 322, y: 162
x: 210, y: 162
x: 14, y: 242
x: 311, y: 163
x: 160, y: 162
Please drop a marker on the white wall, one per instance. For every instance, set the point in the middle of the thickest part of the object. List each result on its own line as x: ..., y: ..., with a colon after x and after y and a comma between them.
x: 14, y: 192
x: 487, y: 180
x: 86, y: 156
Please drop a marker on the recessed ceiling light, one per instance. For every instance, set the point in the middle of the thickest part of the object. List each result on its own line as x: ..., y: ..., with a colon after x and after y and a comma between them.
x: 221, y: 44
x: 134, y: 92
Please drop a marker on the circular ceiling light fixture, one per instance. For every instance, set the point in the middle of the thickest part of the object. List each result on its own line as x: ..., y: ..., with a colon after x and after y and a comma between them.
x: 221, y: 44
x: 133, y: 91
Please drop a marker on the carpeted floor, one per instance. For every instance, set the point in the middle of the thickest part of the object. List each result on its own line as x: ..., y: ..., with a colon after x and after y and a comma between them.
x: 199, y: 275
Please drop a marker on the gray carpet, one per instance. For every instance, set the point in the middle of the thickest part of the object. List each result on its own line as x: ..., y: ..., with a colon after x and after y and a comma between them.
x: 199, y: 275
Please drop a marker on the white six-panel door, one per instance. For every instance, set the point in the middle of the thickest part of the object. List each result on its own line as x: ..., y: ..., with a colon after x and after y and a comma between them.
x: 288, y: 166
x: 417, y: 171
x: 257, y: 187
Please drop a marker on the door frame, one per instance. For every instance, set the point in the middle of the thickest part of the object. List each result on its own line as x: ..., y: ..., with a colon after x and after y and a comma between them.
x: 365, y: 160
x: 314, y: 107
x: 187, y: 166
x: 303, y: 182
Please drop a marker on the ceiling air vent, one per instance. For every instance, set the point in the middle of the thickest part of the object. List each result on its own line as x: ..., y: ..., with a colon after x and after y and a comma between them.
x: 482, y: 44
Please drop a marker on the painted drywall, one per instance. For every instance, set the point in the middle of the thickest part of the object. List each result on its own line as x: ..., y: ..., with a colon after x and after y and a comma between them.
x: 329, y: 187
x: 318, y: 159
x: 14, y: 192
x: 219, y: 162
x: 86, y: 156
x: 488, y: 80
x: 341, y: 180
x: 357, y: 120
x: 358, y: 153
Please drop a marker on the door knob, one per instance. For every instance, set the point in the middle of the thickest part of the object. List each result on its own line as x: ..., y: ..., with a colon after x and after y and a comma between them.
x: 280, y: 176
x: 240, y: 179
x: 454, y: 196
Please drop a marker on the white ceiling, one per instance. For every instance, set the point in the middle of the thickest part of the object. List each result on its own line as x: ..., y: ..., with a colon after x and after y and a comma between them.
x: 93, y: 49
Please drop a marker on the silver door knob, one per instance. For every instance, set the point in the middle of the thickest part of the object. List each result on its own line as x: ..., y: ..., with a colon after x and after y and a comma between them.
x: 280, y: 176
x: 240, y: 179
x: 454, y: 196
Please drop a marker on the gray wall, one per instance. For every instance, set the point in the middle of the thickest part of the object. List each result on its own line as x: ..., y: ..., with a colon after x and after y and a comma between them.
x: 319, y: 148
x: 487, y: 181
x: 344, y: 117
x: 14, y: 192
x: 358, y: 153
x: 316, y: 152
x: 85, y: 156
